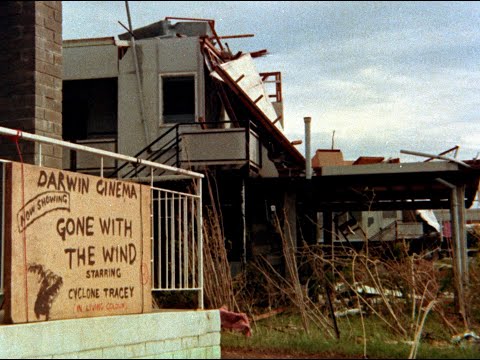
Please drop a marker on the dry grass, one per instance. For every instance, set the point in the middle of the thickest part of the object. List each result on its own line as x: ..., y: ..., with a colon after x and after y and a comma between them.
x: 400, y: 292
x: 218, y: 285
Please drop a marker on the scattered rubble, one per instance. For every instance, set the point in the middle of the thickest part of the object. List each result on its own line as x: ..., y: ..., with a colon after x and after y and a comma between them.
x: 468, y: 336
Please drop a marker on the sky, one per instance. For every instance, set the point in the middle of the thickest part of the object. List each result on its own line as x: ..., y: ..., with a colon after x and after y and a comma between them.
x: 384, y: 76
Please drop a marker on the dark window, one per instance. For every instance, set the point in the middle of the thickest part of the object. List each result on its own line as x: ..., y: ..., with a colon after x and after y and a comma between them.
x: 178, y: 99
x: 89, y: 109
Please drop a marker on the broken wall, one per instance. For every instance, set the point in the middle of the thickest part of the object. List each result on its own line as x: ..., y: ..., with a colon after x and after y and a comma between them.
x: 157, y: 58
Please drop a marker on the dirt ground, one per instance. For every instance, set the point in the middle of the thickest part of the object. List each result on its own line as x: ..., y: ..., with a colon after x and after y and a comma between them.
x: 259, y: 354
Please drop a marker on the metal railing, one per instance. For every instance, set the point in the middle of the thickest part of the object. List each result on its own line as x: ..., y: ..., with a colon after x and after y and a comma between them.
x: 177, y: 242
x: 277, y: 80
x: 169, y: 147
x: 2, y: 232
x: 191, y: 244
x: 150, y: 154
x: 99, y: 152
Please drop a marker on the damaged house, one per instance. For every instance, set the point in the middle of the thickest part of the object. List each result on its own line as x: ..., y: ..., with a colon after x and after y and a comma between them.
x: 182, y: 98
x: 179, y: 96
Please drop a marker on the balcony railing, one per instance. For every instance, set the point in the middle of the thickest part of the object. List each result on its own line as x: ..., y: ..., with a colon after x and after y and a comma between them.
x: 189, y: 144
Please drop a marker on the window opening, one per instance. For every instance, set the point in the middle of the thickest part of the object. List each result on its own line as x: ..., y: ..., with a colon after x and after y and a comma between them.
x: 178, y: 94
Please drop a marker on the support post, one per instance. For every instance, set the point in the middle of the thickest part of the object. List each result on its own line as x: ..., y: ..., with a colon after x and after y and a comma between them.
x: 244, y: 226
x: 457, y: 203
x: 308, y: 154
x: 200, y: 245
x: 463, y: 233
x: 458, y: 255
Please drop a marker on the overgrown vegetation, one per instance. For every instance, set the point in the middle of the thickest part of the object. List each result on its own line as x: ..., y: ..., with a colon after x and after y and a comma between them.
x: 284, y: 333
x: 380, y: 301
x: 398, y: 306
x: 409, y: 318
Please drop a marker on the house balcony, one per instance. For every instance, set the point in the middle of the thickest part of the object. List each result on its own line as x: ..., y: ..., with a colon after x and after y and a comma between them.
x: 192, y: 146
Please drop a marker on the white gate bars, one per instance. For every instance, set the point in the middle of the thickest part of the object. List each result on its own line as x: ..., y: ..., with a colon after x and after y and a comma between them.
x: 177, y: 241
x: 2, y: 231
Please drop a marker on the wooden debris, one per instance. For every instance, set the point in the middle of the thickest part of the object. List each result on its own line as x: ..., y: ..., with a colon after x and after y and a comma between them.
x: 268, y: 314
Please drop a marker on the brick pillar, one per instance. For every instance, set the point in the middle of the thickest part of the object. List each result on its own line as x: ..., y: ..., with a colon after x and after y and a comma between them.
x: 31, y: 76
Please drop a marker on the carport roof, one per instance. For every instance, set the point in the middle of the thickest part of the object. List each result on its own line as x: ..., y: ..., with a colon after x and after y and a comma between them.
x: 383, y: 186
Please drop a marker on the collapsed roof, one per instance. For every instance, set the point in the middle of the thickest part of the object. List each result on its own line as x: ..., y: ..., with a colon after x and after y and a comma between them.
x: 238, y: 83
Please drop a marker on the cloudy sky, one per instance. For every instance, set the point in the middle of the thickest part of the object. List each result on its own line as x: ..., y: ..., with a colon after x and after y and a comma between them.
x: 384, y: 76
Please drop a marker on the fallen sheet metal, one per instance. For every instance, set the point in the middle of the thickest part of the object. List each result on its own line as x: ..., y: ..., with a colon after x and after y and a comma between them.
x: 245, y: 74
x: 430, y: 218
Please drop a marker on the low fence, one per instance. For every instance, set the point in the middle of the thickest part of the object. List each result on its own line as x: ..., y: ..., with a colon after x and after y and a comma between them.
x: 177, y: 242
x: 176, y: 220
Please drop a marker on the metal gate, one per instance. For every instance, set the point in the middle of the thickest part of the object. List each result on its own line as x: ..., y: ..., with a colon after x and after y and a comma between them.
x: 177, y: 261
x: 177, y: 242
x: 2, y: 221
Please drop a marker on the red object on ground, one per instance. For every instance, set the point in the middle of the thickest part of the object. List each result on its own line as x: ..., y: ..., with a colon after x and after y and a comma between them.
x: 235, y: 321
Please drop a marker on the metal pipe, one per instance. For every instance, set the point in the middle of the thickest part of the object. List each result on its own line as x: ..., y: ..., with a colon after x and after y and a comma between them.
x: 463, y: 234
x: 455, y: 221
x: 456, y: 233
x: 308, y: 155
x: 416, y: 153
x: 100, y: 152
x: 167, y: 236
x: 178, y: 249
x: 137, y: 72
x: 40, y: 154
x: 235, y: 36
x: 172, y: 241
x: 200, y: 247
x: 194, y: 268
x: 158, y: 178
x: 185, y: 242
x: 159, y: 238
x: 457, y: 247
x: 244, y: 225
x: 191, y: 219
x: 2, y: 237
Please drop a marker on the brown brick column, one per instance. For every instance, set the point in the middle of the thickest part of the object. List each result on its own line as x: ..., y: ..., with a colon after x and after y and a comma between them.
x: 31, y: 76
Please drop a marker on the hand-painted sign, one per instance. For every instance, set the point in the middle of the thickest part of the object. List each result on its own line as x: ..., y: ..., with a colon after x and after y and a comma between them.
x: 77, y: 245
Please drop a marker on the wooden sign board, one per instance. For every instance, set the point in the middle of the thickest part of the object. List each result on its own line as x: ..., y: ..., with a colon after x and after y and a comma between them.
x: 76, y: 245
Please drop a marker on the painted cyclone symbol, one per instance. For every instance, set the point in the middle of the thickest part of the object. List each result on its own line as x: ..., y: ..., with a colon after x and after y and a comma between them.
x: 50, y: 285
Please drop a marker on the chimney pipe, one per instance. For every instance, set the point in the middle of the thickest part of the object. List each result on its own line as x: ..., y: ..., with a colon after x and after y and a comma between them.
x: 308, y: 155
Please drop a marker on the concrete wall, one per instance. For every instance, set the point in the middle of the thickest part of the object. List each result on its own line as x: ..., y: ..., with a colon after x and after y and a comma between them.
x: 90, y: 62
x: 167, y: 335
x: 31, y: 73
x: 208, y: 146
x: 268, y: 168
x: 157, y: 57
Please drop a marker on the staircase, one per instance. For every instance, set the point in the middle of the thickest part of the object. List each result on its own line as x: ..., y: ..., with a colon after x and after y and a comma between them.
x: 165, y: 149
